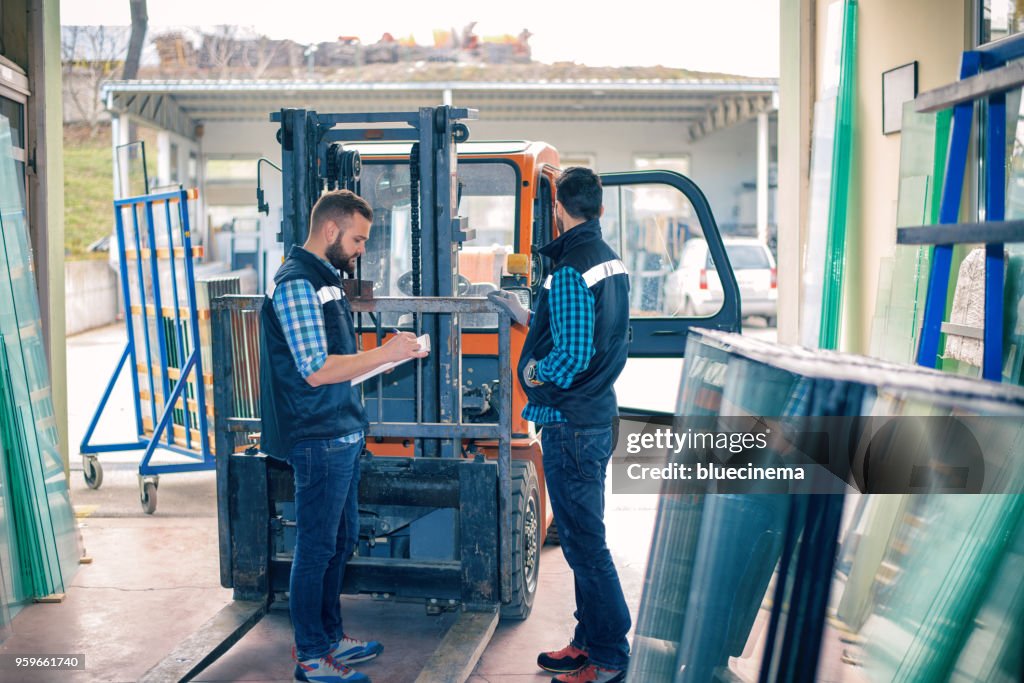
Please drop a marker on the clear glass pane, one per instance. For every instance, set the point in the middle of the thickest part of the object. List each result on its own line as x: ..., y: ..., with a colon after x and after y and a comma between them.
x: 488, y: 200
x: 1000, y: 18
x: 14, y: 112
x: 132, y: 173
x: 657, y: 234
x: 1013, y: 300
x: 899, y: 306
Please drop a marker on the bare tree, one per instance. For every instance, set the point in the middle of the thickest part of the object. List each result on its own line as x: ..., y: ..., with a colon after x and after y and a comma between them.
x: 261, y: 54
x: 90, y: 55
x: 221, y: 50
x: 140, y: 22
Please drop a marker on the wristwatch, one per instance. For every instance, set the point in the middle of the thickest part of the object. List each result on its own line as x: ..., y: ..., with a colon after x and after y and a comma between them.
x: 530, y: 374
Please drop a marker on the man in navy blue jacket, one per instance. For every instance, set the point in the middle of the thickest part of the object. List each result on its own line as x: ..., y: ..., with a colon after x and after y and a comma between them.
x: 575, y: 350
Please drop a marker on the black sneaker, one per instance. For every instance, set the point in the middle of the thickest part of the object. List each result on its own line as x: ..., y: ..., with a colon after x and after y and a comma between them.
x: 570, y: 658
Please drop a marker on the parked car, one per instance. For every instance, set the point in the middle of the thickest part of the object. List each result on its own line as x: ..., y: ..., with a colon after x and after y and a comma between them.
x: 694, y: 289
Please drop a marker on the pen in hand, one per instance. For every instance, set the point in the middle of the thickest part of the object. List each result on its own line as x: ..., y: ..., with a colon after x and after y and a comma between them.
x: 406, y: 345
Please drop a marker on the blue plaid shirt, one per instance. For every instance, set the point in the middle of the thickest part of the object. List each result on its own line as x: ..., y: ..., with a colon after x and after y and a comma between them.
x: 302, y: 318
x: 572, y: 331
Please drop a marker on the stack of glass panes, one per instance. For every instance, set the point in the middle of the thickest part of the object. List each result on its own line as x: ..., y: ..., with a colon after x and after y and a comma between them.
x: 903, y: 276
x: 38, y: 538
x: 741, y: 583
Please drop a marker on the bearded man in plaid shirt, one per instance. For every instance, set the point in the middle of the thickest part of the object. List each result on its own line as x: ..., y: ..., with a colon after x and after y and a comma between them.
x: 575, y: 350
x: 314, y: 419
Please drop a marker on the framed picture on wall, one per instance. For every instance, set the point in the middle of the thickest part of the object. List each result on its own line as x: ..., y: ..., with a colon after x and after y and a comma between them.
x: 899, y: 86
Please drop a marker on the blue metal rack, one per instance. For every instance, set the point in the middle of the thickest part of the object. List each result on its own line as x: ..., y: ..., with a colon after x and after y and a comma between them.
x: 176, y: 372
x: 985, y: 74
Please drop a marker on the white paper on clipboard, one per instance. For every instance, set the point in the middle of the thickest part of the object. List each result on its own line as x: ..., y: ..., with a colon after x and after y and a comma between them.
x: 424, y: 341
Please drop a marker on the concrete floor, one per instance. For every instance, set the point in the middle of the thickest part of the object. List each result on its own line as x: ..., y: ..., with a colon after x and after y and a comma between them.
x: 154, y: 579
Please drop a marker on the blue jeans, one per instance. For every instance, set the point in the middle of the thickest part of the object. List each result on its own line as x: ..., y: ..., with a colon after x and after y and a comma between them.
x: 575, y: 460
x: 326, y: 532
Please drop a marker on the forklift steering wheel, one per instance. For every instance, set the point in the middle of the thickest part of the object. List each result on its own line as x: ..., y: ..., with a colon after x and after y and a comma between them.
x: 405, y: 284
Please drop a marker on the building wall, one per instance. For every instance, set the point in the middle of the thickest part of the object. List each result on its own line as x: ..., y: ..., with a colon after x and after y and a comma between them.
x: 796, y: 98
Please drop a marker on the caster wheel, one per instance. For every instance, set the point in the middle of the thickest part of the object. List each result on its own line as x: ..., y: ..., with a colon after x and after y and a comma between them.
x: 148, y: 497
x: 92, y: 471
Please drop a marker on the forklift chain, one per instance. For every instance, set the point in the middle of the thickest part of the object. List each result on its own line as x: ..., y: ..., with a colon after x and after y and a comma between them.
x: 414, y: 217
x: 333, y: 172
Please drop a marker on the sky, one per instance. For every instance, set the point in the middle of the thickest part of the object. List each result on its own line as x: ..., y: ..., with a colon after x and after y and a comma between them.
x: 728, y: 36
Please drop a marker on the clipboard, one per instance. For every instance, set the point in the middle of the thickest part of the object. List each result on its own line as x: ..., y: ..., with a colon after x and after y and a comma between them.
x: 424, y: 341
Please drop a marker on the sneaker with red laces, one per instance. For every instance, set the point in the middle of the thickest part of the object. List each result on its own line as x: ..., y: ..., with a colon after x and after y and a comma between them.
x: 591, y: 673
x: 569, y: 658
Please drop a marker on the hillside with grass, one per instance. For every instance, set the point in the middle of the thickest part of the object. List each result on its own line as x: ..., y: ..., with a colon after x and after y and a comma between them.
x: 89, y: 186
x: 88, y: 189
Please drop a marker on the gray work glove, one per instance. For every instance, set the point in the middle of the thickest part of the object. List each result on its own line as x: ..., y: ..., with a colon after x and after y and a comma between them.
x: 509, y: 302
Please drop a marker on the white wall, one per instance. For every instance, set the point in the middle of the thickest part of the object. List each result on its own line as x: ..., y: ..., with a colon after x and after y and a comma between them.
x: 91, y: 289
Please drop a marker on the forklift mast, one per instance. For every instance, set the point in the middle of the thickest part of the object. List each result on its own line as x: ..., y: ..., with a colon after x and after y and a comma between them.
x: 314, y: 159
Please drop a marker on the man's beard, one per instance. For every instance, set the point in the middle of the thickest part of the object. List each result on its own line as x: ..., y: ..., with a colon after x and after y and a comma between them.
x: 338, y: 258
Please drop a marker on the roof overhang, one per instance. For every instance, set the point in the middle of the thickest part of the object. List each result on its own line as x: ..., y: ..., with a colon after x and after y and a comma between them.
x: 700, y: 105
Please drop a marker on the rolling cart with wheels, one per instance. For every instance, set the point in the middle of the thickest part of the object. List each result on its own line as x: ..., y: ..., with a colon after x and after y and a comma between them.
x: 164, y: 352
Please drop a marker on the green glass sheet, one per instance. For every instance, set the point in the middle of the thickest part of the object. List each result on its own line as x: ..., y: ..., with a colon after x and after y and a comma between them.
x: 45, y: 534
x: 825, y: 257
x: 9, y: 572
x: 835, y: 249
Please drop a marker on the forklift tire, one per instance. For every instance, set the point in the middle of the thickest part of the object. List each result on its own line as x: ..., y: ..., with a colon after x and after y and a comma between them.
x: 525, y: 507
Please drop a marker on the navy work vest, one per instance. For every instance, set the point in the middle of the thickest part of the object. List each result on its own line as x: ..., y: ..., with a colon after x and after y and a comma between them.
x: 291, y: 409
x: 590, y: 399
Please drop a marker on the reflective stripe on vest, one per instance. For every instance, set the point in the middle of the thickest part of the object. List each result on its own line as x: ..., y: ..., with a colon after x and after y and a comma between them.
x: 326, y: 294
x: 597, y: 273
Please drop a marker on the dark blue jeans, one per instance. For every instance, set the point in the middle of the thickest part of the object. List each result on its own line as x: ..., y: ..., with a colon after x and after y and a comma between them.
x: 575, y: 460
x: 326, y: 532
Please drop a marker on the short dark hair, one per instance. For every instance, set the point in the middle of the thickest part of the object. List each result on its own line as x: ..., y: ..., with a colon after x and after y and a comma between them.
x: 337, y: 205
x: 578, y: 189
